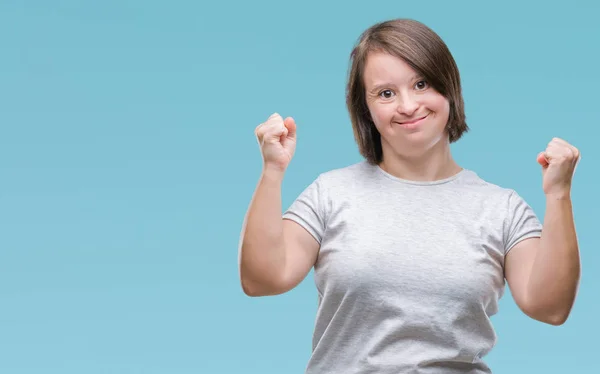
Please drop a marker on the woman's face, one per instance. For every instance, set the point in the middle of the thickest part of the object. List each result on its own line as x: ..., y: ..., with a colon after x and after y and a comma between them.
x: 408, y: 113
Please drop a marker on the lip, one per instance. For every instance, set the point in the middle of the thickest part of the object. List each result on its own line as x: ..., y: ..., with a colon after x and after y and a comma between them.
x: 413, y: 123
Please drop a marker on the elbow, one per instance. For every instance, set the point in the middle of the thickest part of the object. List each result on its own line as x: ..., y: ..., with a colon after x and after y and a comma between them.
x: 250, y: 288
x: 556, y: 319
x: 551, y: 316
x: 254, y: 288
x: 246, y: 288
x: 250, y: 291
x: 551, y: 319
x: 557, y: 322
x: 255, y: 291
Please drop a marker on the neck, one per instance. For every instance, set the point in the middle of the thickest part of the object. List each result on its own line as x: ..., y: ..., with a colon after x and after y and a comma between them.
x: 434, y: 164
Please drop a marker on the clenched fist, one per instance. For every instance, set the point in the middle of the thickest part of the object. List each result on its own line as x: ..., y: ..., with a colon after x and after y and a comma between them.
x: 277, y: 140
x: 558, y: 162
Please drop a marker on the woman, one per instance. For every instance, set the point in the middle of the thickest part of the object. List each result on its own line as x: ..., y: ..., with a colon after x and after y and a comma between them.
x: 410, y: 250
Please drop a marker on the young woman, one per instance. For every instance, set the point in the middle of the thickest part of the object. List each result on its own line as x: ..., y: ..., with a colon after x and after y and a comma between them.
x: 410, y: 250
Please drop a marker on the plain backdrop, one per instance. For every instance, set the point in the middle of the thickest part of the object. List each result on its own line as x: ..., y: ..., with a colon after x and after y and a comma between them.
x: 128, y: 159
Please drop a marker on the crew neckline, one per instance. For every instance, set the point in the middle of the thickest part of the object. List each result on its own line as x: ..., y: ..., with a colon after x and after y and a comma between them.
x: 436, y: 182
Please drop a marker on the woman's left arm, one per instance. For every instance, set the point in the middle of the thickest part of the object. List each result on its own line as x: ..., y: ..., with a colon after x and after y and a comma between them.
x: 543, y: 273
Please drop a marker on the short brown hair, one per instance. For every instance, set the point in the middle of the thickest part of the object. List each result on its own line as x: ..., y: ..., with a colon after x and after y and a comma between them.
x: 424, y: 51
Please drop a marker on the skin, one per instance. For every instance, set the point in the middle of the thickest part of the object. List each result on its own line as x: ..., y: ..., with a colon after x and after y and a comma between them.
x: 396, y: 97
x: 276, y: 254
x: 544, y: 273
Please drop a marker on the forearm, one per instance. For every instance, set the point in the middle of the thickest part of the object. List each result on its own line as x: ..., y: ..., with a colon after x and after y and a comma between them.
x: 555, y: 273
x: 262, y: 255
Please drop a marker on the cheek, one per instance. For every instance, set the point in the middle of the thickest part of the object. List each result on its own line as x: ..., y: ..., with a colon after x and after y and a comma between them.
x: 440, y: 106
x: 446, y: 107
x: 381, y: 114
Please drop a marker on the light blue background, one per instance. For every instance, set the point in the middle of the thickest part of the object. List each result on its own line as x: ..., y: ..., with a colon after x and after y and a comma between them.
x: 128, y: 159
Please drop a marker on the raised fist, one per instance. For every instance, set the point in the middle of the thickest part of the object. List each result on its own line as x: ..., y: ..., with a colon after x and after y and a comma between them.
x: 277, y: 140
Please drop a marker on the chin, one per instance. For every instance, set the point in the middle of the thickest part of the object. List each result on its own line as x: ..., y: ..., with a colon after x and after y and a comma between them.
x: 417, y: 143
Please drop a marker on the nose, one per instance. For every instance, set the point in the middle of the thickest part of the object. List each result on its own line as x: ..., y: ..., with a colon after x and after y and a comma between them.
x: 407, y: 105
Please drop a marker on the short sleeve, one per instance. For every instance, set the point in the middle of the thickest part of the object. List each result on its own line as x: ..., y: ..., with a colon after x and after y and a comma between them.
x: 522, y: 222
x: 308, y: 211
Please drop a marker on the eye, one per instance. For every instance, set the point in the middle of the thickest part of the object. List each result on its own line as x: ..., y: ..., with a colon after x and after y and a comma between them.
x: 421, y: 85
x: 386, y: 94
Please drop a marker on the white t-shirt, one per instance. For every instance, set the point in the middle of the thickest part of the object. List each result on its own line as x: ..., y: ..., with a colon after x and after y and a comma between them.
x: 408, y: 273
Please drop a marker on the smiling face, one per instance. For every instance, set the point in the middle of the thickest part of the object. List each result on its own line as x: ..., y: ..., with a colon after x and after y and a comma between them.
x: 409, y: 114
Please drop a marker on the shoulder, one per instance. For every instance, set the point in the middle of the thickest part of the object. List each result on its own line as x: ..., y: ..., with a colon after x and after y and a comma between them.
x: 476, y: 185
x: 340, y: 184
x: 328, y: 185
x: 501, y: 198
x: 318, y: 200
x: 346, y: 176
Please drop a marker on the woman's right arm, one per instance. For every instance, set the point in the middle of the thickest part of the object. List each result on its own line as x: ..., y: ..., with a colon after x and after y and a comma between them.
x: 275, y: 254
